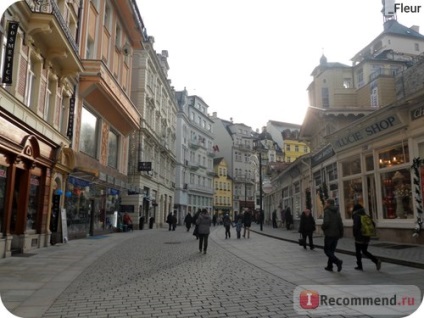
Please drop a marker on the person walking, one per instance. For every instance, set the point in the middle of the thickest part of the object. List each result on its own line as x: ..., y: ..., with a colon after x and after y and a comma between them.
x: 247, y: 223
x: 307, y: 228
x: 174, y: 220
x: 169, y: 221
x: 196, y: 227
x: 239, y: 225
x: 227, y: 224
x: 332, y: 227
x: 289, y: 218
x: 188, y: 220
x: 204, y: 222
x: 361, y: 240
x: 214, y: 219
x: 274, y: 219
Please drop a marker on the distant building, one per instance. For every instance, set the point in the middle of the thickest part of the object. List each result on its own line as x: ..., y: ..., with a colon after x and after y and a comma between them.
x: 195, y: 152
x: 223, y: 186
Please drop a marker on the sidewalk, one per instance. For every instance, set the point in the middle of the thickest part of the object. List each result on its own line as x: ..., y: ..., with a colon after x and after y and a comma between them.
x: 389, y: 252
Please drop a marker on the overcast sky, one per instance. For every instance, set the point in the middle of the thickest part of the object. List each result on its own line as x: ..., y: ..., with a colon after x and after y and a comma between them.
x: 251, y: 60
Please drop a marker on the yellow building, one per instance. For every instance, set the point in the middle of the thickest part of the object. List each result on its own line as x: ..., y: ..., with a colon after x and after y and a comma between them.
x: 293, y: 148
x: 223, y: 188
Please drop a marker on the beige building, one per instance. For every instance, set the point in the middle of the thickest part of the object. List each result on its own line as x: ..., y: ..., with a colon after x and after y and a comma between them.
x: 37, y: 96
x: 152, y: 148
x: 105, y: 116
x: 66, y: 117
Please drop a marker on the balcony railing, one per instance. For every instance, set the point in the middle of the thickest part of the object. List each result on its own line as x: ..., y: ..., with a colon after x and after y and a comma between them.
x: 51, y: 7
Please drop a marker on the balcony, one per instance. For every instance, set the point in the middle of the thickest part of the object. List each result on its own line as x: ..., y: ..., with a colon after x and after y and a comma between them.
x: 49, y: 30
x: 99, y: 87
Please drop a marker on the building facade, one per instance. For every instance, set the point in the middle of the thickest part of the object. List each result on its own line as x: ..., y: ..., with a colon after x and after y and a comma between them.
x: 195, y: 172
x: 39, y: 67
x: 153, y: 147
x: 105, y: 116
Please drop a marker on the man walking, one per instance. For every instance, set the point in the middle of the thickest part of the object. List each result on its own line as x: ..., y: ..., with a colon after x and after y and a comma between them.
x: 332, y: 227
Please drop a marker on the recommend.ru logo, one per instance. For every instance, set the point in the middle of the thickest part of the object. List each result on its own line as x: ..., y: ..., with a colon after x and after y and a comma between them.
x: 353, y: 300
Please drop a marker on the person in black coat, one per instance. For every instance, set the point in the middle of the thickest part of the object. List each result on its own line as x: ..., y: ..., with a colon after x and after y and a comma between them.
x: 188, y: 220
x: 307, y: 228
x: 289, y: 218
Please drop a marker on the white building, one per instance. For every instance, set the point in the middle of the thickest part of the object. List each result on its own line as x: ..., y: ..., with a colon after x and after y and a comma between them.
x: 195, y: 153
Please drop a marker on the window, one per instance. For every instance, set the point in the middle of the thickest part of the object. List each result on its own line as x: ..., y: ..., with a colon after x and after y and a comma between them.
x: 360, y: 77
x: 417, y: 47
x: 397, y: 194
x: 113, y: 149
x: 88, y: 136
x: 33, y: 198
x: 347, y: 83
x: 89, y: 54
x: 396, y: 155
x: 351, y: 166
x: 118, y: 36
x: 296, y: 148
x: 325, y: 97
x: 108, y: 18
x: 29, y: 83
x: 288, y: 147
x: 352, y: 191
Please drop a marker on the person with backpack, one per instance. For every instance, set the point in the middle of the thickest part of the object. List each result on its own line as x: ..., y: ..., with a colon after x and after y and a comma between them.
x: 363, y: 229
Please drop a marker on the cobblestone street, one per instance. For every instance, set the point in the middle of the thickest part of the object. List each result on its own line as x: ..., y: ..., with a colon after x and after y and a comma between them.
x: 160, y: 273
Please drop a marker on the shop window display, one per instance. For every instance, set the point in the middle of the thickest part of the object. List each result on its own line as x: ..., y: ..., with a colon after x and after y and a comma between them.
x: 352, y: 193
x: 396, y: 194
x: 33, y: 202
x: 396, y: 155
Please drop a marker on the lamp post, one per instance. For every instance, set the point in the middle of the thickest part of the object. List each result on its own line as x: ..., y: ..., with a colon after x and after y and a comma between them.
x: 261, y: 212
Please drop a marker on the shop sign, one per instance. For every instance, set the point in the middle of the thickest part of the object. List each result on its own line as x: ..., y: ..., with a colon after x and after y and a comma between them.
x: 144, y: 166
x: 368, y: 131
x: 417, y: 112
x: 323, y: 155
x: 9, y: 52
x: 70, y: 130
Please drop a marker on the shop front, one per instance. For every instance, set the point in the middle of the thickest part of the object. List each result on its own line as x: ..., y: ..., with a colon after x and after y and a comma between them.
x: 92, y: 198
x: 374, y: 159
x: 26, y: 163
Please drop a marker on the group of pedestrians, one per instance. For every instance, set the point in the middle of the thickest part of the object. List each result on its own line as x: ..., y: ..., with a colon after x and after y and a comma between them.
x: 241, y: 221
x: 333, y: 229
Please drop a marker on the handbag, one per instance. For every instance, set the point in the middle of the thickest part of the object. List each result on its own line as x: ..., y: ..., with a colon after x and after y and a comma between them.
x: 302, y: 241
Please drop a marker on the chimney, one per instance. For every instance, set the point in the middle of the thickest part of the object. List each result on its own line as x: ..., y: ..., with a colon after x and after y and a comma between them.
x: 215, y: 115
x: 416, y: 28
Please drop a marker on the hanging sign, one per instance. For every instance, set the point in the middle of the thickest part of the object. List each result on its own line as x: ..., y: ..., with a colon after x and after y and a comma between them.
x: 12, y: 30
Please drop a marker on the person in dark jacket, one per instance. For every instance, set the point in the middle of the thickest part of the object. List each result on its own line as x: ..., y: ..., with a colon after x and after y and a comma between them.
x: 361, y: 241
x: 289, y: 218
x: 307, y: 227
x: 247, y: 223
x: 204, y: 222
x: 226, y: 220
x: 274, y: 219
x: 332, y: 227
x: 188, y: 220
x: 196, y: 227
x: 169, y: 220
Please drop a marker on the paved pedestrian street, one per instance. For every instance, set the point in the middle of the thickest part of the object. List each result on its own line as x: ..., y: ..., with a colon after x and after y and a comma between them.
x: 160, y: 273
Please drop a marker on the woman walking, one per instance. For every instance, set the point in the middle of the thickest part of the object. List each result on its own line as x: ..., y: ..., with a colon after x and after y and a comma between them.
x: 307, y: 228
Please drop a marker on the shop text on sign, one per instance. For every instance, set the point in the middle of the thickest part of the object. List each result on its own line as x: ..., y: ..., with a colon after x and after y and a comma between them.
x: 370, y: 130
